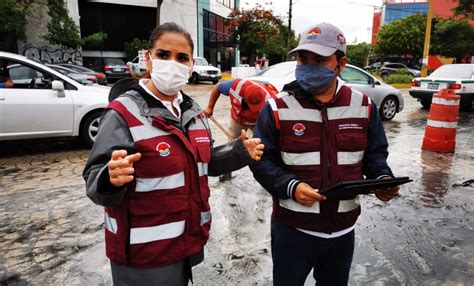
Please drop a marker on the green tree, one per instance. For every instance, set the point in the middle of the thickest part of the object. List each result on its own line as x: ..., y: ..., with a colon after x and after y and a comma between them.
x: 452, y: 38
x: 357, y: 54
x: 258, y: 32
x: 402, y: 37
x: 13, y: 22
x: 131, y: 48
x: 63, y: 31
x: 465, y: 8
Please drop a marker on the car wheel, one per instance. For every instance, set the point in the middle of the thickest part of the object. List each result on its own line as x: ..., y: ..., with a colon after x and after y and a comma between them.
x: 195, y: 78
x: 388, y: 108
x: 384, y: 76
x: 90, y: 128
x: 215, y: 81
x: 426, y: 103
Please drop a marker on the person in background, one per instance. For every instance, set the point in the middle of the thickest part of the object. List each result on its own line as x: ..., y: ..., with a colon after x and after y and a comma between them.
x: 5, y: 80
x: 318, y: 132
x: 247, y: 98
x: 149, y: 168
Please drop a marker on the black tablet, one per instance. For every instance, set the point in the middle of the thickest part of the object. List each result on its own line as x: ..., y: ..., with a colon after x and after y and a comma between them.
x: 349, y: 189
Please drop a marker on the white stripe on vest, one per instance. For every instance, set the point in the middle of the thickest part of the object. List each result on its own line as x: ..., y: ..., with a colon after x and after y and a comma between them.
x: 344, y: 206
x: 110, y: 223
x: 354, y: 110
x: 154, y: 233
x: 295, y: 112
x: 297, y: 207
x: 144, y: 131
x: 348, y: 205
x: 301, y: 159
x: 164, y: 183
x: 205, y: 217
x: 202, y: 168
x: 236, y: 93
x: 349, y: 158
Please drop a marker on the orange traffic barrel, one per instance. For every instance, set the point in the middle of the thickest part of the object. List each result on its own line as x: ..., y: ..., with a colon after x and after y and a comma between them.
x: 440, y: 133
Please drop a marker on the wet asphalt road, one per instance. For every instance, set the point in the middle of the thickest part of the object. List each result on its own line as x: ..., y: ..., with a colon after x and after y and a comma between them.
x: 50, y: 233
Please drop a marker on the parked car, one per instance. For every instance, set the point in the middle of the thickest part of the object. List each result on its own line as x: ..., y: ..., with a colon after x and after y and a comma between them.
x: 458, y: 77
x: 203, y: 71
x: 373, y: 67
x: 113, y: 68
x: 101, y: 78
x: 392, y: 68
x: 79, y: 77
x: 388, y: 99
x: 44, y: 103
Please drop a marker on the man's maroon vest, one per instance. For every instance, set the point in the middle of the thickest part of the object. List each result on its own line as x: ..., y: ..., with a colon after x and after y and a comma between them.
x: 165, y: 215
x: 323, y: 146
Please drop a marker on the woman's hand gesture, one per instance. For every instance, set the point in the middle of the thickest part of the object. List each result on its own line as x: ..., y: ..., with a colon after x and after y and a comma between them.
x: 254, y: 146
x: 121, y: 167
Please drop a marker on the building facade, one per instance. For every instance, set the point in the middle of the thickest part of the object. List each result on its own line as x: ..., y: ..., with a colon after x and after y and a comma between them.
x: 124, y: 20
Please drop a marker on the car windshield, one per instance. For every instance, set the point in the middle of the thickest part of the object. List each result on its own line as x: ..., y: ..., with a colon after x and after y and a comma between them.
x: 111, y: 61
x: 454, y: 71
x: 280, y: 70
x: 201, y: 62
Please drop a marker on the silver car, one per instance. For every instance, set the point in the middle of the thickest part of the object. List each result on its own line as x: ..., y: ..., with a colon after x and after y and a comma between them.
x: 388, y: 99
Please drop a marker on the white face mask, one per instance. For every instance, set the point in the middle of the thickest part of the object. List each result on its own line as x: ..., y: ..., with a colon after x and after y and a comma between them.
x: 170, y: 76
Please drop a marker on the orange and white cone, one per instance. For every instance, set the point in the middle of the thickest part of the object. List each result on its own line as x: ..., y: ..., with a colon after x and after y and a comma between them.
x: 440, y: 133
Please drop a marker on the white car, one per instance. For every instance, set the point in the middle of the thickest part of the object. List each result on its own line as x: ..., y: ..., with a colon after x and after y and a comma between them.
x: 388, y: 99
x: 203, y: 71
x: 458, y: 77
x: 44, y: 103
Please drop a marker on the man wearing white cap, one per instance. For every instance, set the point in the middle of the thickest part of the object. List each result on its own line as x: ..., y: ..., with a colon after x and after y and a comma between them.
x: 318, y: 132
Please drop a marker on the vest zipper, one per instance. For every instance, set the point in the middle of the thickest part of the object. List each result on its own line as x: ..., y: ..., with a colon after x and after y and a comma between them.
x: 325, y: 137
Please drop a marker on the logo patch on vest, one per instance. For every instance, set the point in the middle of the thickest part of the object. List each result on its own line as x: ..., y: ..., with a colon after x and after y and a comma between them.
x: 164, y: 149
x: 299, y: 129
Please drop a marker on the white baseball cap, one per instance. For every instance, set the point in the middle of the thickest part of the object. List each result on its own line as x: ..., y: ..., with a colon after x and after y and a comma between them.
x: 323, y: 39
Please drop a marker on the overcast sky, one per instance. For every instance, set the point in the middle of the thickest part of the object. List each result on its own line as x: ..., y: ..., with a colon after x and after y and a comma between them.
x: 353, y: 17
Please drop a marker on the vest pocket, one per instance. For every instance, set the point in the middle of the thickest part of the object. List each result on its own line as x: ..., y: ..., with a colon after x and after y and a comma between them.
x: 351, y: 141
x: 301, y: 144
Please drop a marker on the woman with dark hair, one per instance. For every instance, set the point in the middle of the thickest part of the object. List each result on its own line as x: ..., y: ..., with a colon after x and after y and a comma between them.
x: 149, y: 168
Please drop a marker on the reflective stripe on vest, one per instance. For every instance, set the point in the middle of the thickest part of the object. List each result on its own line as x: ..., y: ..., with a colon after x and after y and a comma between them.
x: 354, y: 110
x: 297, y: 207
x: 164, y: 183
x: 296, y: 112
x: 110, y: 223
x: 205, y: 217
x: 344, y: 206
x: 349, y: 158
x: 154, y: 233
x: 348, y: 205
x: 202, y: 169
x: 301, y: 159
x: 236, y: 93
x: 144, y: 131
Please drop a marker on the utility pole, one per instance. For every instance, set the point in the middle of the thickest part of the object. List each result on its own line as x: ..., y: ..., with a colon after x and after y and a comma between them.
x: 288, y: 40
x: 158, y: 10
x: 426, y: 49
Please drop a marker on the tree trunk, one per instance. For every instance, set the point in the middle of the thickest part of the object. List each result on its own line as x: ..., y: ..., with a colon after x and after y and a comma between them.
x: 158, y: 9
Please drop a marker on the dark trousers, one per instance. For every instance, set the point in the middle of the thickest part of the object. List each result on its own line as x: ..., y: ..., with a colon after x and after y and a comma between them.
x: 295, y: 253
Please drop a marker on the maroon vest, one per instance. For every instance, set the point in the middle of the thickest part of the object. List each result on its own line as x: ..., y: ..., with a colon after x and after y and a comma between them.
x: 322, y: 145
x: 165, y: 215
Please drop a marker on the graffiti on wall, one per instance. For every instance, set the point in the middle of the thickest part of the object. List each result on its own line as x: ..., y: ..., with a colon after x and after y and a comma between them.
x: 50, y: 55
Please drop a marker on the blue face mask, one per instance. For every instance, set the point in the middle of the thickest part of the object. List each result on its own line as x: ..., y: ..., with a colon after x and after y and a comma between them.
x: 313, y: 78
